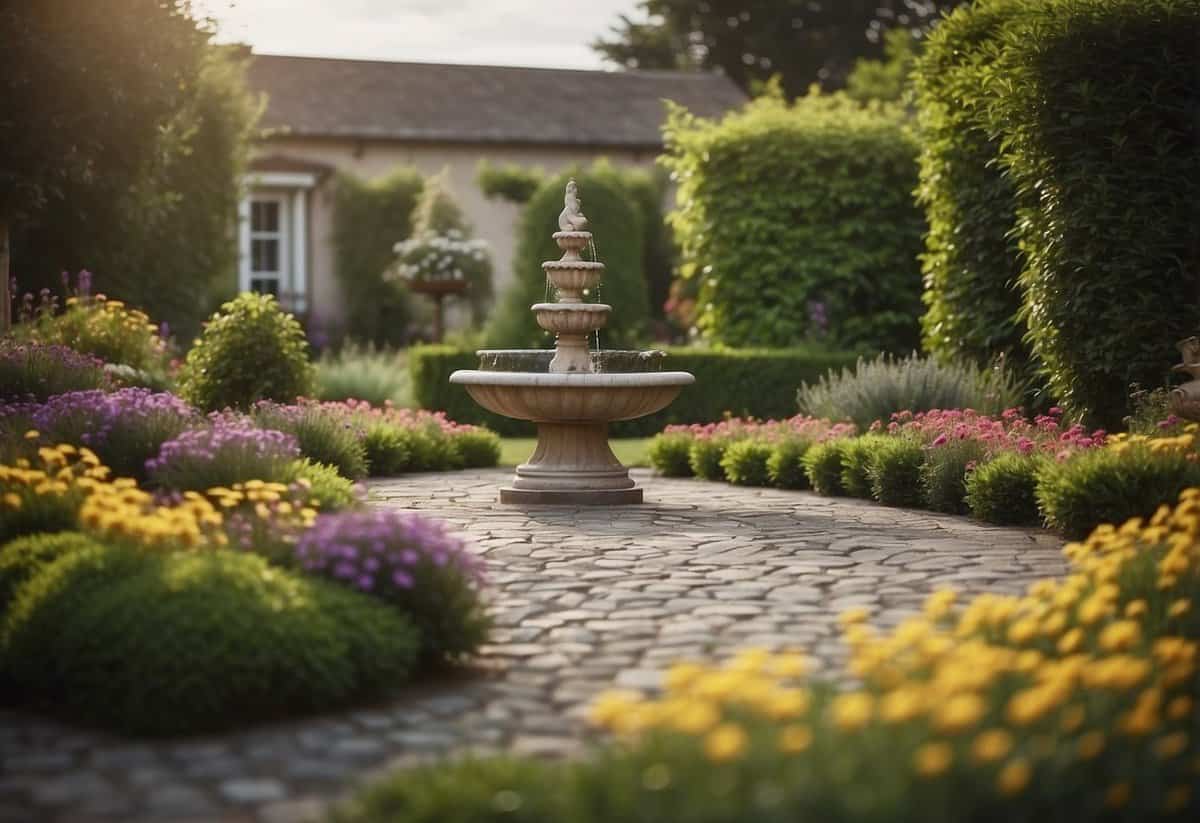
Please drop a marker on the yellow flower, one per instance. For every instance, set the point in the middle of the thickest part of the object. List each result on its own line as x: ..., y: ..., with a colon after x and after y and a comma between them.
x: 795, y: 739
x: 1070, y: 641
x: 959, y: 713
x: 1014, y: 777
x: 1180, y: 708
x: 1135, y: 608
x: 789, y: 665
x: 680, y: 676
x: 12, y: 500
x: 901, y: 705
x: 696, y: 717
x: 852, y: 711
x: 992, y: 745
x: 1179, y: 608
x: 1120, y: 636
x: 1117, y: 795
x: 32, y: 434
x: 932, y: 759
x: 610, y: 705
x: 726, y: 742
x: 784, y: 704
x: 1072, y: 718
x: 1171, y: 745
x: 859, y: 614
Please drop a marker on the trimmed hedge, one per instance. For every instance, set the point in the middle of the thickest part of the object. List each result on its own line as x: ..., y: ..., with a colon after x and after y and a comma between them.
x: 1004, y: 490
x: 743, y: 382
x: 971, y: 261
x: 796, y: 216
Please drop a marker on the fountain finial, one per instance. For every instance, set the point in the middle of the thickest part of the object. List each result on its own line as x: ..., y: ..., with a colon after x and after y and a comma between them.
x: 572, y: 218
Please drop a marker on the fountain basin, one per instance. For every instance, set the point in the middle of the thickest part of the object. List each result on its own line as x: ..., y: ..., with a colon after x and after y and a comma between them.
x: 571, y: 318
x: 574, y: 277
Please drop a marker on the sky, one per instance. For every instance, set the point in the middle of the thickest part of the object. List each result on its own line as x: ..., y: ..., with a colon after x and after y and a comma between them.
x: 485, y: 32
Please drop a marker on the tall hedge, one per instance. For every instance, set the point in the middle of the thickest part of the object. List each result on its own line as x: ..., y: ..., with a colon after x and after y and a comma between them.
x: 617, y: 224
x: 759, y: 383
x: 370, y: 217
x: 971, y: 262
x: 787, y: 209
x: 1098, y: 116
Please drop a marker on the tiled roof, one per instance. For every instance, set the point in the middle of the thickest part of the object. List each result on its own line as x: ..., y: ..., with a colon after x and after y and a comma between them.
x: 321, y: 97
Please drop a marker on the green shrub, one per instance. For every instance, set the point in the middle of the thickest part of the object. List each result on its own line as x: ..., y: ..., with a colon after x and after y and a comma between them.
x: 878, y: 388
x: 668, y: 453
x: 895, y: 472
x: 1107, y: 486
x: 799, y: 217
x: 184, y: 643
x: 745, y: 463
x: 1096, y: 113
x: 823, y: 463
x: 785, y: 466
x: 615, y: 220
x: 324, y: 435
x: 944, y: 474
x: 327, y: 490
x: 858, y: 455
x: 433, y: 450
x: 250, y: 350
x: 378, y: 376
x: 103, y: 328
x: 705, y: 456
x: 389, y: 449
x: 369, y: 219
x: 971, y: 261
x: 476, y: 448
x: 1004, y: 490
x: 758, y: 383
x: 25, y: 557
x: 38, y: 371
x: 510, y: 182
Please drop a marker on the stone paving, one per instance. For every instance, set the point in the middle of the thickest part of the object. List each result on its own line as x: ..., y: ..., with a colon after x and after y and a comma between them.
x: 584, y: 599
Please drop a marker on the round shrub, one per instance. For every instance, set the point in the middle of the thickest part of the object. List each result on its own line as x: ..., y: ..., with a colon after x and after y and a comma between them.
x: 325, y: 435
x: 433, y: 450
x: 944, y: 474
x: 668, y: 453
x: 1108, y: 486
x: 857, y: 457
x: 745, y: 463
x: 704, y: 458
x: 389, y: 449
x: 229, y: 450
x: 37, y: 371
x: 184, y: 643
x: 326, y: 489
x: 24, y: 557
x: 613, y: 216
x: 895, y: 472
x: 410, y: 562
x: 785, y: 466
x: 823, y: 465
x: 1004, y: 490
x: 477, y: 448
x: 249, y: 350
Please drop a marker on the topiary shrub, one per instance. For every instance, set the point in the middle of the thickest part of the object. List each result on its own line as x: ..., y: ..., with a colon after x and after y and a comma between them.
x: 895, y: 472
x: 785, y: 466
x: 858, y: 454
x: 476, y: 448
x: 878, y: 388
x: 324, y: 434
x: 410, y: 562
x: 823, y: 464
x: 617, y: 223
x: 185, y: 643
x: 971, y: 262
x: 1110, y: 486
x: 1107, y: 200
x: 745, y: 463
x: 250, y: 350
x: 704, y: 458
x: 324, y: 487
x: 944, y: 474
x: 1004, y: 490
x: 776, y: 205
x: 669, y: 454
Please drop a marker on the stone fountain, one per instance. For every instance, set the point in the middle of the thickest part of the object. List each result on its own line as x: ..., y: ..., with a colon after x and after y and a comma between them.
x: 573, y: 392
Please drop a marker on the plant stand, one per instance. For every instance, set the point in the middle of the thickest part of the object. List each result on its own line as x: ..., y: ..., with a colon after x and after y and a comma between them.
x: 438, y: 291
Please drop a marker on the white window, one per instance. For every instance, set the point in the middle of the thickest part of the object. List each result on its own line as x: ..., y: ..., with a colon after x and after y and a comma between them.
x: 273, y: 237
x: 269, y: 245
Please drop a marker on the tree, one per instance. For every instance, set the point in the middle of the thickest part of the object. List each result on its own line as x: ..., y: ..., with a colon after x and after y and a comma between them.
x: 109, y: 126
x: 885, y: 79
x: 802, y: 41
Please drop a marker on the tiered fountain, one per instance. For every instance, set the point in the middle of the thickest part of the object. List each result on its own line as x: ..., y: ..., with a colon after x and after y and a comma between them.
x: 572, y: 393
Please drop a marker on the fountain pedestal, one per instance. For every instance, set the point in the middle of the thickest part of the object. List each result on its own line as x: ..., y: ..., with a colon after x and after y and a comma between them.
x: 572, y: 464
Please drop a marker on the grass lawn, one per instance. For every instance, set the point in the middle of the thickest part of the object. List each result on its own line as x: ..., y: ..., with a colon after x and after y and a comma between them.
x: 631, y: 451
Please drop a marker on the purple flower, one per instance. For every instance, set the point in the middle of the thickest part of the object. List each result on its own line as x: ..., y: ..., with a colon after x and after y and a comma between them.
x: 228, y: 450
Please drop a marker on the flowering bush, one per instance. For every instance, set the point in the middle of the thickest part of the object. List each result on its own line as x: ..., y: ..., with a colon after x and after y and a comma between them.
x: 411, y: 562
x: 44, y: 494
x: 431, y: 256
x: 36, y: 371
x: 230, y: 449
x: 325, y: 433
x: 124, y: 428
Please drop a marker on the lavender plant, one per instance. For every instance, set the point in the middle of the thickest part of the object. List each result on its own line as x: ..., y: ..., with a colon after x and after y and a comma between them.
x: 36, y: 371
x: 228, y: 450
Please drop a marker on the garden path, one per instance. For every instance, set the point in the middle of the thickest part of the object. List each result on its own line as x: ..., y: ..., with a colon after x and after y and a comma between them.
x: 584, y: 600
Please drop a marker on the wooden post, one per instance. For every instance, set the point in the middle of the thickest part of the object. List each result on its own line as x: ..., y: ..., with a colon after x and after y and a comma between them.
x: 438, y: 324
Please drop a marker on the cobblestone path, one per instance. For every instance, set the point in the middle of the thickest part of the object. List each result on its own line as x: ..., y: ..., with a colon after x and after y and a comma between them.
x: 584, y: 599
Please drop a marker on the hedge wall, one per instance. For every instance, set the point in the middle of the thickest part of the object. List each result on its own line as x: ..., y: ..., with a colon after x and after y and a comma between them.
x: 616, y: 221
x: 785, y: 210
x: 1098, y: 114
x: 971, y: 261
x: 759, y: 383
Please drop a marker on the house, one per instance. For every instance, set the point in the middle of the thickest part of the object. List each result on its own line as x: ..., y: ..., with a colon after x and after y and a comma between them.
x: 368, y: 117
